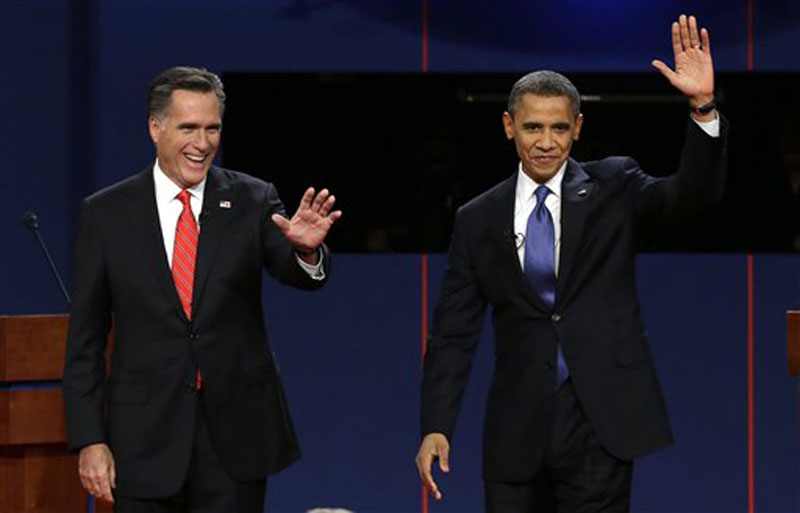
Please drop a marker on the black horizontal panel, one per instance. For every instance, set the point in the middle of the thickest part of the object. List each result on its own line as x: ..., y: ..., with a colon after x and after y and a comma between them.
x: 403, y: 151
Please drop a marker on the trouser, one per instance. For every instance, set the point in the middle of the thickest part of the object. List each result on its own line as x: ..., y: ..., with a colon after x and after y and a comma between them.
x: 208, y: 487
x: 577, y: 474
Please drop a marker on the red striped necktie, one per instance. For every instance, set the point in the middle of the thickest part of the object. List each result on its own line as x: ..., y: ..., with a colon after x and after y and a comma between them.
x: 184, y: 256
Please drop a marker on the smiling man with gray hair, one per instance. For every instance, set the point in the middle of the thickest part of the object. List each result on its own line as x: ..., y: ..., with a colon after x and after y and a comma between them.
x: 192, y: 417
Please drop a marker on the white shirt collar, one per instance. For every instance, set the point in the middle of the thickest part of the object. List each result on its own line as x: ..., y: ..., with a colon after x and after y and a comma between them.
x: 167, y: 190
x: 526, y: 186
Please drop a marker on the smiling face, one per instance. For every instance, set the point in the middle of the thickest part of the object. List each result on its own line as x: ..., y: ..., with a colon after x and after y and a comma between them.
x: 187, y: 136
x: 543, y: 129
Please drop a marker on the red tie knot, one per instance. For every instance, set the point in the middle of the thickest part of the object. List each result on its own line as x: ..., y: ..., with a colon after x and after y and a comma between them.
x: 184, y: 196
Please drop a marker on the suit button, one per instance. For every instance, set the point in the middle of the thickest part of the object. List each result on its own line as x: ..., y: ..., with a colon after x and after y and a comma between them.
x: 193, y: 335
x: 555, y: 317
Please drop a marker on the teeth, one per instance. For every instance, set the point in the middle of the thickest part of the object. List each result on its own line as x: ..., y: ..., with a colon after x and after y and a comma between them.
x: 194, y: 158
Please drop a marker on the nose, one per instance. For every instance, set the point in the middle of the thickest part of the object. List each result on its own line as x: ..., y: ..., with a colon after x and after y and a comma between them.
x: 546, y: 141
x: 201, y: 141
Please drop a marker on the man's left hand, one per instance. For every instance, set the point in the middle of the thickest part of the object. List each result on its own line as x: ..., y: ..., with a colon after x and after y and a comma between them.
x: 306, y: 230
x: 694, y: 69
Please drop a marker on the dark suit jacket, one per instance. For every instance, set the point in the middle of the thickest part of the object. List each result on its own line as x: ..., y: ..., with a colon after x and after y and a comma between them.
x: 145, y: 409
x: 596, y: 317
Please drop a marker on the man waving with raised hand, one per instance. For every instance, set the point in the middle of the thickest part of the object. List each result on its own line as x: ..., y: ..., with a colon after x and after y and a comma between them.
x: 574, y: 398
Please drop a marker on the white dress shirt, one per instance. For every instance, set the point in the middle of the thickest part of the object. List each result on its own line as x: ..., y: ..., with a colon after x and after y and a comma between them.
x: 170, y: 208
x: 525, y: 200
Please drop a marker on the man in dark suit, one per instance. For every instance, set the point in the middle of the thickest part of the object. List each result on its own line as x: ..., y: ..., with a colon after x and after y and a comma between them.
x: 192, y: 416
x: 574, y: 397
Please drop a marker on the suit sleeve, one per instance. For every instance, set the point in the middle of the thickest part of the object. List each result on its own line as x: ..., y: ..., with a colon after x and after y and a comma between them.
x: 453, y: 338
x: 89, y: 325
x: 698, y: 184
x: 278, y: 255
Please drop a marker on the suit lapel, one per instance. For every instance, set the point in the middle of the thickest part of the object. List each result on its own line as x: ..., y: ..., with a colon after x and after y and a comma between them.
x: 218, y: 210
x: 576, y: 189
x: 143, y: 213
x: 503, y: 228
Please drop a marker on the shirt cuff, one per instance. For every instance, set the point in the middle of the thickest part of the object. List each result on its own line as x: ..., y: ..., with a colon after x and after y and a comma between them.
x: 710, y: 127
x: 316, y: 272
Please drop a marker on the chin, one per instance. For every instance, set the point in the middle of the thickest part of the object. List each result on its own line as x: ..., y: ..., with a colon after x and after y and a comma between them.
x: 544, y: 175
x: 192, y: 178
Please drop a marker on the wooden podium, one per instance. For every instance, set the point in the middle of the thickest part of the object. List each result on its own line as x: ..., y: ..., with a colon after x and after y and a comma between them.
x: 37, y: 473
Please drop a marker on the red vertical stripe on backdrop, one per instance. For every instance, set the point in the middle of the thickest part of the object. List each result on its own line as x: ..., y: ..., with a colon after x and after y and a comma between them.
x: 424, y: 256
x: 751, y: 17
x: 424, y: 267
x: 424, y: 344
x: 424, y: 36
x: 750, y: 391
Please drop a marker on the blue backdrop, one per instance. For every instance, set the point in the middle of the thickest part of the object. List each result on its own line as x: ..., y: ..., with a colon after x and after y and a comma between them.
x: 76, y: 74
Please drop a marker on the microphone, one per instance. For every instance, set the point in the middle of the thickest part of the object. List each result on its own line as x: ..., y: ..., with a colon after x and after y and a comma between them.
x: 517, y: 239
x: 31, y: 222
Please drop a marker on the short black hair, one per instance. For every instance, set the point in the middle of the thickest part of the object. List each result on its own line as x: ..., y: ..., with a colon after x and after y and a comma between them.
x: 544, y: 83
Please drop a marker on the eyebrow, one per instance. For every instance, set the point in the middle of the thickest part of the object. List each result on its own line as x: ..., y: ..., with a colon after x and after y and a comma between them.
x: 190, y: 124
x: 536, y: 124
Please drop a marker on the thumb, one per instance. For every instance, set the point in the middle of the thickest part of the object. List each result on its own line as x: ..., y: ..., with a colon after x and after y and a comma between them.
x: 663, y: 68
x: 281, y: 222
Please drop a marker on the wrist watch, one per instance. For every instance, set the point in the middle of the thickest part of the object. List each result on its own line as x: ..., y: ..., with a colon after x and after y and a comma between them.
x: 702, y: 110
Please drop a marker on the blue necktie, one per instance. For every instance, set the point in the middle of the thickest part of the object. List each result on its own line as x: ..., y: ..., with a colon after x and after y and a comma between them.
x: 540, y: 265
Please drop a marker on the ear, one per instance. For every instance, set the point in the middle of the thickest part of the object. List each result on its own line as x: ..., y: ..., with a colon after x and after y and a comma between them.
x: 155, y: 128
x: 578, y: 124
x: 508, y: 125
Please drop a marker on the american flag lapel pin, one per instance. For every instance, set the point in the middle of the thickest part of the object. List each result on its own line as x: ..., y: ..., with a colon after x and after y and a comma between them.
x: 224, y: 204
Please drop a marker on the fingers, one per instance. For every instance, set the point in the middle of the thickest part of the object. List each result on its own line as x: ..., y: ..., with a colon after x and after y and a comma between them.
x: 323, y: 203
x: 685, y: 35
x: 335, y: 215
x: 97, y: 472
x: 327, y: 206
x: 684, y: 25
x: 706, y: 40
x: 104, y: 487
x: 694, y: 37
x: 433, y: 445
x: 424, y: 464
x: 305, y: 201
x: 320, y: 200
x: 443, y: 450
x: 677, y: 47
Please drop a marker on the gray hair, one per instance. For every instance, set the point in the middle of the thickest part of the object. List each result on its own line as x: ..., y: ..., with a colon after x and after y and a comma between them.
x: 159, y: 97
x: 544, y: 83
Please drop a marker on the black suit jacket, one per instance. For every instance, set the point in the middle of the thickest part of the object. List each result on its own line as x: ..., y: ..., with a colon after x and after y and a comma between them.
x: 596, y: 317
x: 145, y: 408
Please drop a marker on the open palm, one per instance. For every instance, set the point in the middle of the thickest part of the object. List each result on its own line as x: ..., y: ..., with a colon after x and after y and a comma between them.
x: 307, y: 228
x: 694, y: 69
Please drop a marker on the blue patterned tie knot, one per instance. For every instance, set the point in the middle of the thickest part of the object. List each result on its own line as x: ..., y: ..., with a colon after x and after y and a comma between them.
x: 541, y: 193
